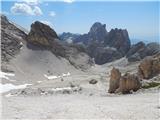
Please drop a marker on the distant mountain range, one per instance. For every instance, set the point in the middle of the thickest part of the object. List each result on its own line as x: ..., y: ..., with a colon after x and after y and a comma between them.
x: 97, y: 45
x: 106, y: 46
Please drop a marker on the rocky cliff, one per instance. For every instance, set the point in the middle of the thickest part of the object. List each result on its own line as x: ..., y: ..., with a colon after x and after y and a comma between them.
x: 12, y: 39
x: 105, y: 46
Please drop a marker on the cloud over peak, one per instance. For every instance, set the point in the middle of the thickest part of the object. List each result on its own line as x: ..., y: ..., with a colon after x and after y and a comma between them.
x: 23, y: 8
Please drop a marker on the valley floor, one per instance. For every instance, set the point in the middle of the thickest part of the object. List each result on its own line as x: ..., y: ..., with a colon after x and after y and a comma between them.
x: 91, y: 102
x: 143, y: 105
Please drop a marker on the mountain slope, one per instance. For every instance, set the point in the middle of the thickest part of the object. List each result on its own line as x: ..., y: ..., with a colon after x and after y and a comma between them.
x: 39, y: 54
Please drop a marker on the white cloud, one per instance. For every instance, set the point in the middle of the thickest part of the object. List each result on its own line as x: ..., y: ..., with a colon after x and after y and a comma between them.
x: 52, y: 13
x: 37, y: 11
x: 46, y: 22
x: 68, y: 1
x: 23, y: 8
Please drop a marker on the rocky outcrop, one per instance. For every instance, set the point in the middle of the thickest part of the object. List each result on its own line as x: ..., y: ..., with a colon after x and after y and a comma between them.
x: 140, y: 51
x: 127, y: 83
x: 44, y: 37
x: 114, y: 80
x: 149, y: 67
x: 123, y: 84
x: 41, y: 34
x: 12, y: 39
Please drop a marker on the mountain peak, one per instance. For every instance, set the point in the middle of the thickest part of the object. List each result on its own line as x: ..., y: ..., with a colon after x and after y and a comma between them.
x: 97, y: 26
x: 41, y: 34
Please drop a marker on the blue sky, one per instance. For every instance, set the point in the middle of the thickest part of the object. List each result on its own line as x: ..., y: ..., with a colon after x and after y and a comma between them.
x: 141, y: 19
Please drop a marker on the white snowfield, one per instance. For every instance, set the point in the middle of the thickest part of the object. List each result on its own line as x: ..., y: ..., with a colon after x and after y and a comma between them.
x: 8, y: 87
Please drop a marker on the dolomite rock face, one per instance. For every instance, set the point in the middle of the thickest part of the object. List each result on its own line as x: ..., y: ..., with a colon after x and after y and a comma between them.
x: 149, y: 67
x: 114, y: 80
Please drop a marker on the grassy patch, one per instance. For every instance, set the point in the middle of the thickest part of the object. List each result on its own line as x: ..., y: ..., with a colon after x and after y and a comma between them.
x: 151, y: 85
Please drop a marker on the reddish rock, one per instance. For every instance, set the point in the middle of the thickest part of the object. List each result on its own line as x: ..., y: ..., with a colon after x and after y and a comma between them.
x: 114, y: 80
x: 128, y: 82
x: 149, y: 67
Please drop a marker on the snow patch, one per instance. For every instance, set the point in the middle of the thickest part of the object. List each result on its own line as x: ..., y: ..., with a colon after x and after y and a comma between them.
x: 39, y: 81
x: 8, y: 87
x: 50, y: 77
x: 55, y: 77
x: 5, y: 75
x: 68, y: 74
x: 64, y: 88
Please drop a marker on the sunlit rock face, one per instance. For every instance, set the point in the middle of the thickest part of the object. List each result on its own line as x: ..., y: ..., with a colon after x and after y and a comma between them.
x: 41, y: 34
x: 149, y: 67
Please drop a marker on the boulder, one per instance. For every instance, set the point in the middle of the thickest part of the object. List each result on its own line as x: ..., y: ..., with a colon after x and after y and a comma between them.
x: 128, y: 82
x: 93, y: 81
x: 149, y: 67
x: 114, y: 80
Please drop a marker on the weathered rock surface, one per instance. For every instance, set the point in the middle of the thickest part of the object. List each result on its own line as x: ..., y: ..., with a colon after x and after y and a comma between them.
x: 11, y: 39
x: 114, y: 80
x: 41, y: 34
x: 123, y: 84
x: 149, y: 67
x: 128, y: 82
